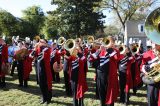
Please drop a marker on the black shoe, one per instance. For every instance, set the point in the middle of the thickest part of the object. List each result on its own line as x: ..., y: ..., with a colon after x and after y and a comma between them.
x: 20, y: 85
x: 25, y: 85
x: 42, y: 102
x: 3, y: 85
x: 122, y: 101
x: 48, y: 102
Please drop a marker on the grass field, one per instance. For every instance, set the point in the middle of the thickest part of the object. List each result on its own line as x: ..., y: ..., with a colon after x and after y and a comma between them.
x: 12, y: 95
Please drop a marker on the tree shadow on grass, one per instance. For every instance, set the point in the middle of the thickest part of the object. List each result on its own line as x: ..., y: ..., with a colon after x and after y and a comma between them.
x: 35, y: 90
x: 137, y: 103
x: 62, y: 103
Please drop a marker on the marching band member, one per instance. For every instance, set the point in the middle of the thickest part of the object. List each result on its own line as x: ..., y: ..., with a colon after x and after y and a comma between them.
x: 107, y: 76
x: 135, y: 68
x: 94, y: 62
x: 3, y: 60
x: 14, y: 62
x: 56, y: 57
x: 125, y: 76
x: 66, y: 74
x: 149, y: 58
x: 43, y: 70
x: 53, y: 60
x: 77, y: 76
x: 102, y: 72
x: 113, y: 84
x: 24, y: 64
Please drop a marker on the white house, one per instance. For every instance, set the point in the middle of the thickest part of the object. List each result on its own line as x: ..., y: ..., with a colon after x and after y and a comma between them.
x: 135, y: 30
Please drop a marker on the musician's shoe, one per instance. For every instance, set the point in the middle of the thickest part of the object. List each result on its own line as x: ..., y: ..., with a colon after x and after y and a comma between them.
x: 48, y: 102
x: 20, y: 85
x: 42, y: 102
x: 25, y: 86
x: 3, y: 84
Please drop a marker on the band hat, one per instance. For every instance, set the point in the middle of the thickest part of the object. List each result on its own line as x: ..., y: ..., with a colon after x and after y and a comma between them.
x: 148, y: 43
x: 130, y: 41
x: 27, y: 40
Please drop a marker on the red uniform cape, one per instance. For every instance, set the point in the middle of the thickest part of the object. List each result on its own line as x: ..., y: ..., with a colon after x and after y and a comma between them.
x: 58, y: 55
x: 137, y: 79
x: 159, y: 99
x: 4, y: 58
x: 147, y: 56
x: 129, y: 82
x: 93, y: 50
x: 113, y: 84
x: 27, y: 66
x: 82, y: 84
x: 70, y: 59
x: 91, y: 58
x: 47, y: 67
x: 86, y: 52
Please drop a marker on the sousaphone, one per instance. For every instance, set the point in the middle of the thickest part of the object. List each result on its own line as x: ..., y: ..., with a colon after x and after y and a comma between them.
x: 152, y: 30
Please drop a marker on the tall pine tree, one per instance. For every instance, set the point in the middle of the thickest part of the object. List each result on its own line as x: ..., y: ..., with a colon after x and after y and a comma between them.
x: 78, y: 17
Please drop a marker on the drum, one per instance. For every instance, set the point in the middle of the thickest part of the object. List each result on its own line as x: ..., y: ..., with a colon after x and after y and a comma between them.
x: 57, y: 68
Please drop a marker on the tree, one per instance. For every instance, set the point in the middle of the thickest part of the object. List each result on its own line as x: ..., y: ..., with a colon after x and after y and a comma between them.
x: 111, y: 30
x: 125, y: 9
x: 7, y: 23
x: 138, y: 16
x: 34, y: 15
x: 50, y: 27
x: 77, y: 17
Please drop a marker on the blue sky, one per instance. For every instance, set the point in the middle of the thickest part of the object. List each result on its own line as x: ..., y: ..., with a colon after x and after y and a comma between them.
x: 16, y: 6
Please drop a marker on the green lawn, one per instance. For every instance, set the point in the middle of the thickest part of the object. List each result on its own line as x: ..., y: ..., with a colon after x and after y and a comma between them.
x: 12, y: 95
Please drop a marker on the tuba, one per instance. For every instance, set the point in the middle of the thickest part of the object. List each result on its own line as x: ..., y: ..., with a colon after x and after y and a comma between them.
x: 37, y: 38
x: 135, y: 48
x: 122, y: 48
x: 70, y: 45
x: 61, y: 41
x: 152, y: 30
x: 90, y: 39
x: 107, y: 42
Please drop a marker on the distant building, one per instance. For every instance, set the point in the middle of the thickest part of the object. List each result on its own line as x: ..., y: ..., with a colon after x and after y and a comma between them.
x: 135, y: 30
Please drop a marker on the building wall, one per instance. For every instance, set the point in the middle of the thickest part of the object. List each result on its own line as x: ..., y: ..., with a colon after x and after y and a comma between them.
x: 132, y: 31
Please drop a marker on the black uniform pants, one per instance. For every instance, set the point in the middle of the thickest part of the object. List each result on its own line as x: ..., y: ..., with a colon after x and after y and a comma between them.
x: 22, y: 82
x: 14, y: 64
x: 101, y: 85
x: 76, y: 102
x: 152, y: 95
x: 67, y: 84
x: 97, y: 93
x: 2, y: 81
x: 42, y: 80
x: 122, y: 82
x: 35, y: 65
